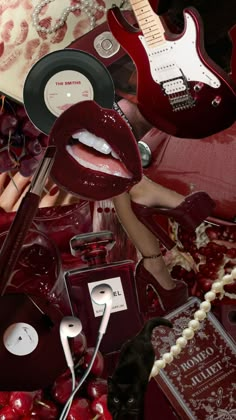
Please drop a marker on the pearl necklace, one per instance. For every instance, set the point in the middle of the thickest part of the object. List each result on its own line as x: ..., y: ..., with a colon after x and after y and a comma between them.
x: 88, y: 7
x: 194, y: 324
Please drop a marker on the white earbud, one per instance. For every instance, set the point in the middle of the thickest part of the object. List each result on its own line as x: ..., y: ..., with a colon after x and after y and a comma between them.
x: 103, y: 295
x: 69, y: 327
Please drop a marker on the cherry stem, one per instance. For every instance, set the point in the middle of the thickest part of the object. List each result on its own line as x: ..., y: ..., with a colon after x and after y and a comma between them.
x: 42, y: 403
x: 96, y: 417
x: 2, y: 97
x: 12, y: 179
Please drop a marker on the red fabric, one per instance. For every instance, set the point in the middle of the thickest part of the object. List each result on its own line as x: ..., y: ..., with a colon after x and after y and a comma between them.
x: 187, y: 165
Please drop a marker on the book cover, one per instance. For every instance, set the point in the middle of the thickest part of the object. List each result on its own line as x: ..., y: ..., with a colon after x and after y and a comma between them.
x: 200, y: 383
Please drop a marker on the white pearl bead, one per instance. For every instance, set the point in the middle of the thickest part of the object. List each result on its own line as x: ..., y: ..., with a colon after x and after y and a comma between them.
x: 194, y: 324
x: 161, y: 364
x: 227, y: 279
x: 182, y: 342
x: 188, y: 333
x: 89, y: 7
x: 205, y: 306
x: 154, y: 370
x: 168, y: 357
x: 217, y: 287
x: 175, y: 350
x: 210, y: 296
x: 200, y: 315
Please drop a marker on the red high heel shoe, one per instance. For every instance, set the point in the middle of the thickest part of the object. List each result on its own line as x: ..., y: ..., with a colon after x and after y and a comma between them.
x: 189, y: 214
x: 168, y: 299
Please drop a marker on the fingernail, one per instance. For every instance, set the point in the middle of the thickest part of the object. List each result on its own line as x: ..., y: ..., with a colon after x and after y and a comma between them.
x: 54, y: 190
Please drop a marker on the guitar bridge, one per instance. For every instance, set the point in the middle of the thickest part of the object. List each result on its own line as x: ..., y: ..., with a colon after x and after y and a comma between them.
x: 178, y: 93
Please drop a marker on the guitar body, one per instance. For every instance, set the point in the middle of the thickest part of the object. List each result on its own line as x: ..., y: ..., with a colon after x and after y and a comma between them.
x: 180, y: 90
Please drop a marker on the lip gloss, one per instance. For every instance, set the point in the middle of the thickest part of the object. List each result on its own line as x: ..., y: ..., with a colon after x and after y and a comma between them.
x: 25, y: 214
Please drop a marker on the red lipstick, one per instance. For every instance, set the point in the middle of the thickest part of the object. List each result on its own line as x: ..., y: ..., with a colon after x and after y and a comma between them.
x: 84, y: 170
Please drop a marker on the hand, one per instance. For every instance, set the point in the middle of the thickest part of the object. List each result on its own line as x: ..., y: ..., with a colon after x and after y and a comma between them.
x: 12, y: 190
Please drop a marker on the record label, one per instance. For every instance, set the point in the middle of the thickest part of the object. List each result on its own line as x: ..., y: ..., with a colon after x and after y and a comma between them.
x: 65, y: 89
x: 20, y: 338
x: 61, y: 79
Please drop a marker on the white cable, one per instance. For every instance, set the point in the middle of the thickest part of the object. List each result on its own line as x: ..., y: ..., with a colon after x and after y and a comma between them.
x: 67, y: 406
x: 72, y: 387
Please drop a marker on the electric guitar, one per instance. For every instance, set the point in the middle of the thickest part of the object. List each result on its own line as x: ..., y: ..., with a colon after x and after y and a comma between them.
x: 180, y: 90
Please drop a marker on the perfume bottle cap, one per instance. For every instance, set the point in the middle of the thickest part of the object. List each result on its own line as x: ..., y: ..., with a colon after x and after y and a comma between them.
x: 92, y: 247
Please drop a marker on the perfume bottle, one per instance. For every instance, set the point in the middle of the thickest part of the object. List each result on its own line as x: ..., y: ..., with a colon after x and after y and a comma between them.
x: 93, y: 248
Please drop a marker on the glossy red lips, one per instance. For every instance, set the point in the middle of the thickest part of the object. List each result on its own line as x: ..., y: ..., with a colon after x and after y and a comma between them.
x: 84, y: 171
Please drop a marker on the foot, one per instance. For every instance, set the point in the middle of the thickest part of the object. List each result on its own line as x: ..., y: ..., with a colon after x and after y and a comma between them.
x: 158, y: 269
x: 151, y: 194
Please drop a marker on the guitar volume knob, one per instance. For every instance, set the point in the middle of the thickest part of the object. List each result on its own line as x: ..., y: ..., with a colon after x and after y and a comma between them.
x: 216, y: 101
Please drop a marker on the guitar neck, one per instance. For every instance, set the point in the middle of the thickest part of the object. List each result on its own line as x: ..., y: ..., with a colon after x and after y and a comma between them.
x: 149, y: 23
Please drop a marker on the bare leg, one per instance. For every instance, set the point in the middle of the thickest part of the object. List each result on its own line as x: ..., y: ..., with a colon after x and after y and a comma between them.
x: 143, y: 240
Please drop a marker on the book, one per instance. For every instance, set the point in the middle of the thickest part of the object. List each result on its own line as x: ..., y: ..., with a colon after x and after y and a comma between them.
x: 200, y: 383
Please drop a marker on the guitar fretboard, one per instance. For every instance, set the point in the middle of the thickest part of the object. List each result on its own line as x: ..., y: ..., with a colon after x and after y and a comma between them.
x: 149, y: 23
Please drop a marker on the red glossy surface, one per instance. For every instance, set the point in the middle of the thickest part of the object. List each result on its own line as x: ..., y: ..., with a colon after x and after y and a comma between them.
x: 155, y: 106
x: 186, y: 165
x: 78, y: 281
x: 77, y: 178
x: 38, y: 271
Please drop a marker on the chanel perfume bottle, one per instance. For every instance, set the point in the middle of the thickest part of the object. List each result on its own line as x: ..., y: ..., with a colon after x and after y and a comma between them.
x: 93, y: 248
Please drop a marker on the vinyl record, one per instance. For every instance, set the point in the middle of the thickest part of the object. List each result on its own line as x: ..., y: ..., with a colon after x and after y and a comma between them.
x: 61, y: 79
x: 31, y: 354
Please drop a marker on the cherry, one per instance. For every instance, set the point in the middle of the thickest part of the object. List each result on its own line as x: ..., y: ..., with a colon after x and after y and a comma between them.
x: 62, y: 389
x: 4, y: 397
x: 98, y: 365
x: 44, y: 140
x: 29, y: 129
x: 45, y: 409
x: 99, y: 406
x: 8, y: 122
x: 7, y: 413
x: 21, y: 402
x: 96, y: 387
x: 21, y: 113
x: 31, y: 417
x: 28, y: 165
x: 7, y: 161
x: 79, y: 344
x: 80, y: 410
x: 34, y: 147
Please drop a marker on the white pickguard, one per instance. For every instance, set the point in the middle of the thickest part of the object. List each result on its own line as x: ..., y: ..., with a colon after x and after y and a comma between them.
x: 175, y: 59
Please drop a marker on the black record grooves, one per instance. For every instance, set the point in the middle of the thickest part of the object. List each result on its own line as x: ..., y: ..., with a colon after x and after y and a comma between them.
x: 92, y: 70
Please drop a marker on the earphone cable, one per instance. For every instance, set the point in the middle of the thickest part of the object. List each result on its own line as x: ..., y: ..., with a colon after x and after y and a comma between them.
x: 72, y: 387
x: 67, y: 406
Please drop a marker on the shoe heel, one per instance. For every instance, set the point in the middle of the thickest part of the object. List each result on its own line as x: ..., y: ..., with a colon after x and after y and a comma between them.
x: 141, y: 286
x: 200, y: 212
